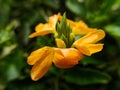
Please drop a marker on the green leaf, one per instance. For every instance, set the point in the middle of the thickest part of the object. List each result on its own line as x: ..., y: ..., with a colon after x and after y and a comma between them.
x: 12, y: 65
x: 7, y: 50
x: 85, y: 76
x: 106, y: 6
x: 7, y: 34
x: 12, y: 72
x: 75, y: 7
x: 89, y: 60
x: 52, y: 3
x: 4, y: 36
x: 45, y: 41
x: 118, y: 69
x: 116, y: 5
x: 25, y: 32
x: 113, y: 30
x: 29, y: 85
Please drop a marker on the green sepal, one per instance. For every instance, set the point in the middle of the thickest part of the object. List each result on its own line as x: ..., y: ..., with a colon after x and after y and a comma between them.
x: 64, y: 31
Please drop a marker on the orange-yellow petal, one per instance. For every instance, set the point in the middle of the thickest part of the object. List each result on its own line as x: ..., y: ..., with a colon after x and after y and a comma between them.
x: 89, y: 49
x: 81, y: 28
x: 92, y: 37
x: 93, y: 48
x: 41, y: 67
x: 60, y: 43
x: 38, y: 55
x: 44, y: 29
x: 41, y: 30
x: 53, y: 20
x: 81, y: 24
x: 66, y: 58
x: 40, y: 33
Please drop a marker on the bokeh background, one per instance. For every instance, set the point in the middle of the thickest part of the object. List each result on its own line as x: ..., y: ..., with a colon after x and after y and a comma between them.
x: 18, y: 19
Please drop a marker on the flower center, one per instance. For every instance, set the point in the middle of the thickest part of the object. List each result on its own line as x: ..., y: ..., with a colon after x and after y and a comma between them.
x: 64, y: 32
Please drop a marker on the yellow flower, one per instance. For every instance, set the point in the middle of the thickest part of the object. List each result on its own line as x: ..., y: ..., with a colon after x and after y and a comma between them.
x: 47, y: 28
x: 42, y: 59
x: 68, y: 51
x: 43, y: 29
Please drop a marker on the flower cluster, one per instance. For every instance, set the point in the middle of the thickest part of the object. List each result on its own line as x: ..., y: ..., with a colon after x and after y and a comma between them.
x: 69, y: 49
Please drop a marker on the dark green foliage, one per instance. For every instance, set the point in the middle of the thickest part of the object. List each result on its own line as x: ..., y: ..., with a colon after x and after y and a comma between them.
x: 85, y: 76
x: 18, y: 19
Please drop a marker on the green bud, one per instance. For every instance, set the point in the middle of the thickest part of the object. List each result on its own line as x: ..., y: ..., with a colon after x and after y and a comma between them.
x: 72, y: 38
x: 56, y: 35
x: 64, y: 31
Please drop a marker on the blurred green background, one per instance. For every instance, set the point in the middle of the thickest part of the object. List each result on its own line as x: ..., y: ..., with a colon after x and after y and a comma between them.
x: 18, y: 19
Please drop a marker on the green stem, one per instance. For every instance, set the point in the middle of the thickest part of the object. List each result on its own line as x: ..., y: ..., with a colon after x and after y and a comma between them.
x: 56, y: 83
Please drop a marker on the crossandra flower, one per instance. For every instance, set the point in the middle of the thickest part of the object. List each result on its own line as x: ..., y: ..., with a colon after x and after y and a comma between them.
x: 69, y: 50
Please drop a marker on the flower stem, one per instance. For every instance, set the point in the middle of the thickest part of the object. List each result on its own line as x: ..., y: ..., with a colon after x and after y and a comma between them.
x: 56, y: 83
